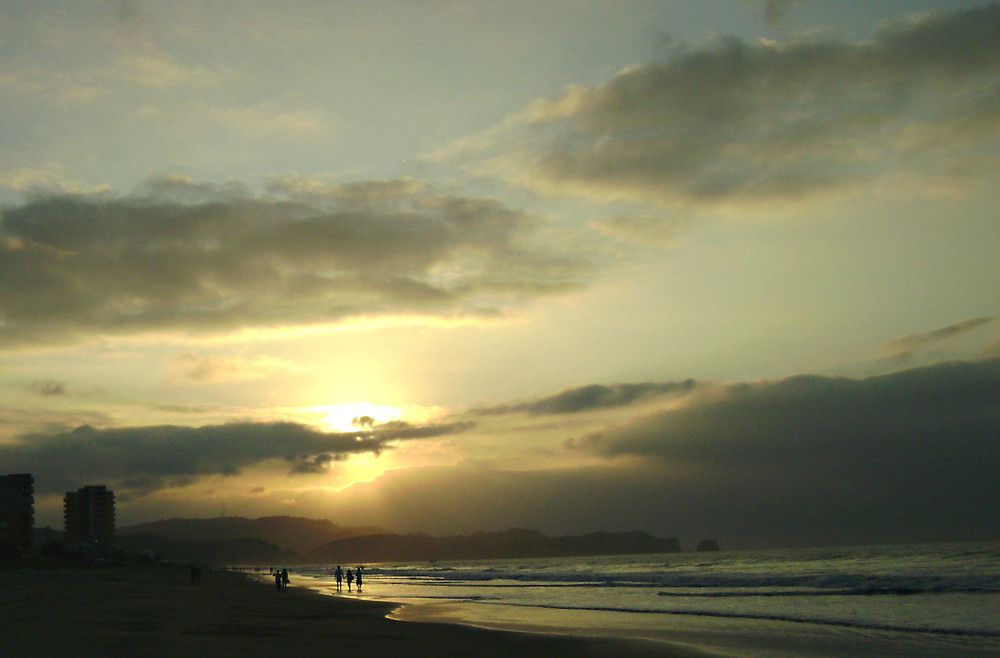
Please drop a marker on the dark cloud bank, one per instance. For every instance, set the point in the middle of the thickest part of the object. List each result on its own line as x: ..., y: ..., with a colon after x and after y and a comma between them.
x: 778, y: 121
x: 910, y: 456
x: 181, y: 256
x: 142, y: 460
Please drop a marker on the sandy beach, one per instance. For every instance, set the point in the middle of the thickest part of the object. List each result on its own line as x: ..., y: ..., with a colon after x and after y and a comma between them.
x: 157, y: 611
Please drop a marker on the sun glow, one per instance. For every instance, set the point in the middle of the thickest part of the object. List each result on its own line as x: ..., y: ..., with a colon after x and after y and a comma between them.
x: 357, y: 415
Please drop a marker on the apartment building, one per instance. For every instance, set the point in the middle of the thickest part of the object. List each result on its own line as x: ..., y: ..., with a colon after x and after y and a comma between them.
x: 17, y: 513
x: 89, y: 516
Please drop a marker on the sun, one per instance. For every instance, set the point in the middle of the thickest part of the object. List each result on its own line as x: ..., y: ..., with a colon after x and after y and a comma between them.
x: 350, y: 416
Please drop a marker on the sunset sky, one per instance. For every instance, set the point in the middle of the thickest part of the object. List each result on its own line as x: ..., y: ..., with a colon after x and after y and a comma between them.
x: 721, y: 269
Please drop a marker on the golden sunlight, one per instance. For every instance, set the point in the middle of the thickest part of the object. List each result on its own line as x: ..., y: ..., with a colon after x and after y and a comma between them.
x: 356, y: 415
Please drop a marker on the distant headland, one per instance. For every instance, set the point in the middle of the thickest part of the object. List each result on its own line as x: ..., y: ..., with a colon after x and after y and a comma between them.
x: 295, y: 540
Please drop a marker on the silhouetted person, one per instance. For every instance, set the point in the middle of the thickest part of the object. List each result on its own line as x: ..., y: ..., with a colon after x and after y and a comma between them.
x: 358, y: 578
x: 284, y: 577
x: 195, y: 575
x: 277, y: 579
x: 350, y: 579
x: 339, y: 573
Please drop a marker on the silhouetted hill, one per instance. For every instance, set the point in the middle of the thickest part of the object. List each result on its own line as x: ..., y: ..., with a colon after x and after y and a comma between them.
x: 513, y: 543
x: 287, y: 540
x: 296, y: 534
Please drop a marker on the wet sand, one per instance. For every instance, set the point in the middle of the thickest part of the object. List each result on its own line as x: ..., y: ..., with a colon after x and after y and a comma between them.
x: 157, y: 611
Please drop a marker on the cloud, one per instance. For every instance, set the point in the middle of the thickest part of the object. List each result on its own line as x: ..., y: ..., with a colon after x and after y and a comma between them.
x: 805, y: 418
x: 355, y: 193
x: 316, y: 464
x: 641, y: 229
x: 146, y: 459
x: 910, y: 456
x: 363, y: 421
x: 905, y: 347
x: 267, y: 119
x: 16, y: 423
x: 908, y: 446
x: 178, y: 256
x: 594, y: 396
x: 158, y: 71
x: 49, y: 387
x: 219, y: 369
x: 25, y: 179
x: 766, y: 122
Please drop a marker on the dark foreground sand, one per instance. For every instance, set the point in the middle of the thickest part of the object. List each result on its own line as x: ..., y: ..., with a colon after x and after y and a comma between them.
x: 156, y: 611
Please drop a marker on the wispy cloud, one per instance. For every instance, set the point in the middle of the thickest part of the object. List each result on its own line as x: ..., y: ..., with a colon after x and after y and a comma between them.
x: 17, y: 423
x: 642, y: 229
x: 158, y: 71
x: 49, y: 387
x: 230, y: 368
x: 905, y: 347
x: 593, y: 397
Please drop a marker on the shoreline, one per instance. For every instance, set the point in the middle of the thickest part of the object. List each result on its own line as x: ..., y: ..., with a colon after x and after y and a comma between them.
x: 155, y: 611
x: 696, y: 634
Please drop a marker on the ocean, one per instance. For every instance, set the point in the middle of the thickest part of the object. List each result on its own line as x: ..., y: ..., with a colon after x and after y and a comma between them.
x: 899, y: 600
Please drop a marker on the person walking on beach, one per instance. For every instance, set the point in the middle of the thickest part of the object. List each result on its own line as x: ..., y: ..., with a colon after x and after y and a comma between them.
x: 357, y: 577
x: 284, y: 578
x: 350, y: 579
x: 277, y: 579
x: 340, y: 576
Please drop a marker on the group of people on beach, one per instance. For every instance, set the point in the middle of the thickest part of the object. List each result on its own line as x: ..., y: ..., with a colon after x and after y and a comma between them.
x: 280, y: 578
x: 352, y: 578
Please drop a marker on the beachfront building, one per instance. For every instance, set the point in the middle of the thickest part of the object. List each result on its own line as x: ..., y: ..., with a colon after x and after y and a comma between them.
x: 17, y: 513
x: 89, y: 516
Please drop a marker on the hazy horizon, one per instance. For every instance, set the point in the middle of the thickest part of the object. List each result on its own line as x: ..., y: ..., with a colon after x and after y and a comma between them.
x: 720, y: 270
